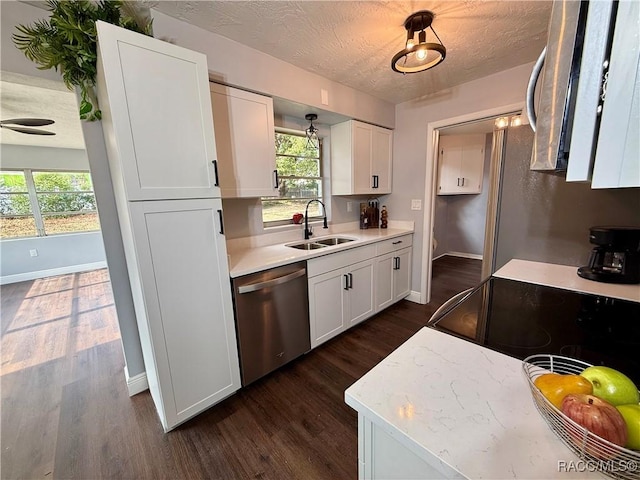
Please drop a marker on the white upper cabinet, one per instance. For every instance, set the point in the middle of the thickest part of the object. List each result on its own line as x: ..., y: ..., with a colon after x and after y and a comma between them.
x: 617, y: 162
x: 604, y: 139
x: 461, y: 164
x: 157, y: 91
x: 245, y: 138
x: 361, y: 157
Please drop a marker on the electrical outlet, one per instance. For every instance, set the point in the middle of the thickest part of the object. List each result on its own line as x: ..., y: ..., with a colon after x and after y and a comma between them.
x: 349, y: 206
x: 33, y: 252
x: 324, y: 96
x: 416, y: 204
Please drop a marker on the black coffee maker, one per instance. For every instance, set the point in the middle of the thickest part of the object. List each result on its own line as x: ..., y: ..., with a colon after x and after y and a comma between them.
x: 616, y: 259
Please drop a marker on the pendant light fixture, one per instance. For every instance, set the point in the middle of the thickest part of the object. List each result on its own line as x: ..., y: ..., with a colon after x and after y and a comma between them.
x: 312, y: 132
x: 421, y: 55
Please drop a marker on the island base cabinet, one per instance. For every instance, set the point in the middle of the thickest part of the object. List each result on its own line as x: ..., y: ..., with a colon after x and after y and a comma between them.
x: 182, y: 295
x: 381, y: 456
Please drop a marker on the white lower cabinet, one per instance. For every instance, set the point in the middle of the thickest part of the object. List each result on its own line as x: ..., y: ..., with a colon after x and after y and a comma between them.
x: 382, y: 456
x: 350, y: 286
x: 339, y: 299
x: 341, y: 291
x: 393, y: 277
x: 183, y: 305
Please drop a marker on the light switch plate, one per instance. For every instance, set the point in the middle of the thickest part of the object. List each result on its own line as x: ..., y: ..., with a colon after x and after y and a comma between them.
x: 33, y: 252
x: 416, y: 204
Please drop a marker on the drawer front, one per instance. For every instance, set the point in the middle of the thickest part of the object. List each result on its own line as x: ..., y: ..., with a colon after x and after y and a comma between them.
x: 333, y: 261
x: 394, y: 244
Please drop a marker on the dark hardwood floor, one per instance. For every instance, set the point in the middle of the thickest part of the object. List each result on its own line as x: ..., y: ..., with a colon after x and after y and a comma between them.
x: 66, y: 412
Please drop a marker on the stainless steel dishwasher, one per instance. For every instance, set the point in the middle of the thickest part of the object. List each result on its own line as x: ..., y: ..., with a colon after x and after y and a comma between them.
x: 272, y: 319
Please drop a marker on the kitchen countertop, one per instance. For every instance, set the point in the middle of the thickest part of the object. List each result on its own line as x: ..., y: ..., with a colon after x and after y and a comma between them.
x: 565, y: 277
x: 462, y: 405
x: 245, y: 259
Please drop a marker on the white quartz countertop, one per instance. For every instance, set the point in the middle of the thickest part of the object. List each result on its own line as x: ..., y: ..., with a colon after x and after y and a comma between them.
x: 565, y: 277
x: 463, y: 407
x: 246, y: 259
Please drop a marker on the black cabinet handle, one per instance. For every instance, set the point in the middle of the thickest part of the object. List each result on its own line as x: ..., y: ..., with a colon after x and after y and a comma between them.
x: 396, y: 243
x: 221, y: 222
x: 275, y: 174
x: 215, y: 172
x: 375, y: 181
x: 350, y: 280
x: 346, y: 281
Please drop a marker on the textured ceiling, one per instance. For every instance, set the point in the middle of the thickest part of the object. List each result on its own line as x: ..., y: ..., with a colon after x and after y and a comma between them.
x: 352, y: 42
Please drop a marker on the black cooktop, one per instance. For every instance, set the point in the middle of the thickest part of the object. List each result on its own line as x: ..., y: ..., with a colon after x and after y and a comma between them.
x: 521, y: 319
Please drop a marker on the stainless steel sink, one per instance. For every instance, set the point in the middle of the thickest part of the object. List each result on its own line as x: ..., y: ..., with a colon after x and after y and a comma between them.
x: 306, y: 246
x: 334, y: 240
x: 321, y: 243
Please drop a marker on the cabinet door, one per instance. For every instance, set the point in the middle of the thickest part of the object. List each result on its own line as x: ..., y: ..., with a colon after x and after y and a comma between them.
x: 449, y: 171
x: 361, y: 291
x: 245, y: 140
x: 157, y: 116
x: 384, y: 281
x: 362, y: 143
x: 402, y: 274
x: 472, y: 168
x: 186, y: 320
x: 461, y: 164
x: 327, y: 305
x: 382, y: 154
x: 617, y: 160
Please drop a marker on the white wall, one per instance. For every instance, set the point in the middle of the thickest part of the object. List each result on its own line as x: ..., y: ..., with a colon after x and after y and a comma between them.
x: 69, y: 249
x: 42, y: 158
x: 410, y: 142
x: 238, y: 65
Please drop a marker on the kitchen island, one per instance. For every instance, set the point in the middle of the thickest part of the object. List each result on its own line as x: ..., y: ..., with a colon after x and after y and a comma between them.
x: 442, y: 407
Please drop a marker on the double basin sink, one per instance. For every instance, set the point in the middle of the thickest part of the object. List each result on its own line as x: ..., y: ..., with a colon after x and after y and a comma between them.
x: 320, y: 243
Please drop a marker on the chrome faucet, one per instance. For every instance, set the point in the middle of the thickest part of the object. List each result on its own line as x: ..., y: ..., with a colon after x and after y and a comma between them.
x: 308, y: 231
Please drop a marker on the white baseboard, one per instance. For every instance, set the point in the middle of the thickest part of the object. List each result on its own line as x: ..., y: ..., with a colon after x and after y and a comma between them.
x: 24, y: 277
x: 413, y: 297
x: 136, y: 384
x: 463, y: 255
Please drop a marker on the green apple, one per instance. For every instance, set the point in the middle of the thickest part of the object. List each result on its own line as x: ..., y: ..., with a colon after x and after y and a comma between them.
x: 631, y: 415
x: 611, y: 385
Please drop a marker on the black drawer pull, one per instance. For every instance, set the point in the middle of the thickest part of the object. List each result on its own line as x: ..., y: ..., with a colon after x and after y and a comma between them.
x: 396, y: 243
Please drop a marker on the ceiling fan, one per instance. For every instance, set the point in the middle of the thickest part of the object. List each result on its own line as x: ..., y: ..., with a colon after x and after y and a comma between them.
x: 12, y: 124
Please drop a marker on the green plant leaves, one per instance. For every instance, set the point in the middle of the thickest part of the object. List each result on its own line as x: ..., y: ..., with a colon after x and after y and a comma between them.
x: 68, y: 43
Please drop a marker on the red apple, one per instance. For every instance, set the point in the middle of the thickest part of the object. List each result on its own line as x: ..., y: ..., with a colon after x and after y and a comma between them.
x: 599, y: 417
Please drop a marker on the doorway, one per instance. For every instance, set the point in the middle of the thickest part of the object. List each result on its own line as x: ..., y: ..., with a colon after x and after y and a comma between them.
x: 478, y: 122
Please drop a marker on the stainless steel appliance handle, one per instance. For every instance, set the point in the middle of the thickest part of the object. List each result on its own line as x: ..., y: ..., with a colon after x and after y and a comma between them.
x: 271, y: 283
x: 448, y: 303
x: 531, y: 89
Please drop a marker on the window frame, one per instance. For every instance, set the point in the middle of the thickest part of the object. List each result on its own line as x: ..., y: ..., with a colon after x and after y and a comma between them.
x: 36, y: 211
x: 320, y: 178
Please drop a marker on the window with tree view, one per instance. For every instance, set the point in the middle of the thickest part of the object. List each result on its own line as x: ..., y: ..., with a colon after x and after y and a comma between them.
x: 44, y: 203
x: 299, y: 180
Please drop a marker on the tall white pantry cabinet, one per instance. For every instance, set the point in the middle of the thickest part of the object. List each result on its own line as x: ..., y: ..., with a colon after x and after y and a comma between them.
x: 160, y: 142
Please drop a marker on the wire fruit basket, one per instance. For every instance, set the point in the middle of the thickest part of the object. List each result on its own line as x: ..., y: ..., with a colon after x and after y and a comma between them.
x: 597, y: 453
